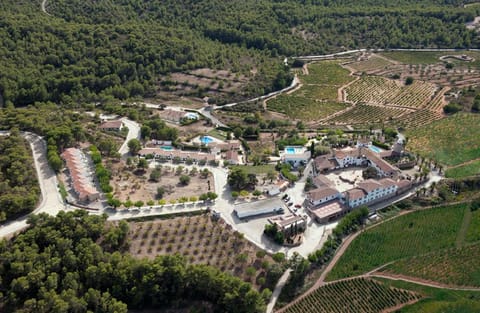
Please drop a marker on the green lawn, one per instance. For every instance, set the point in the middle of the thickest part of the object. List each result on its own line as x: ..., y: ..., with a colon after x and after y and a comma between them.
x: 438, y: 300
x: 450, y: 141
x: 219, y: 134
x: 464, y: 170
x: 258, y: 169
x: 409, y: 235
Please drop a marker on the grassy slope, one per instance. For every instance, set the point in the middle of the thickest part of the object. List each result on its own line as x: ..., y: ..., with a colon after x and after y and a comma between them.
x: 450, y: 141
x: 416, y: 233
x: 464, y: 170
x: 408, y: 57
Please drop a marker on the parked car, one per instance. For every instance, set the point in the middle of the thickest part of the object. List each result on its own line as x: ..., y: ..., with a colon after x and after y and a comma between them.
x: 298, y: 206
x: 290, y: 203
x: 285, y: 196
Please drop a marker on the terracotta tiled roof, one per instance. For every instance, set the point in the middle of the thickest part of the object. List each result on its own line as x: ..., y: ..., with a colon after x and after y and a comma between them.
x: 321, y: 193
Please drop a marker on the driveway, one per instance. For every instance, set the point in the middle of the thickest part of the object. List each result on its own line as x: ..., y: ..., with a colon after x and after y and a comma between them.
x: 133, y: 133
x: 51, y: 201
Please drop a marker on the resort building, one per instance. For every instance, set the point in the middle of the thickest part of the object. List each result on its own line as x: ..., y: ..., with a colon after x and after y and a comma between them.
x: 328, y: 212
x: 288, y: 223
x: 81, y: 177
x: 296, y: 155
x: 176, y: 116
x: 321, y: 195
x: 111, y: 126
x: 370, y: 191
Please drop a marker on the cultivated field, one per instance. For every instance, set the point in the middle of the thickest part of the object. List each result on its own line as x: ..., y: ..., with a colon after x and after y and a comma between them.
x: 136, y: 185
x: 450, y: 141
x: 380, y: 90
x: 202, y: 241
x: 473, y: 232
x: 438, y: 300
x: 355, y: 296
x: 465, y: 170
x: 409, y: 235
x: 374, y: 62
x: 456, y: 266
x: 364, y: 114
x: 409, y: 57
x: 318, y: 96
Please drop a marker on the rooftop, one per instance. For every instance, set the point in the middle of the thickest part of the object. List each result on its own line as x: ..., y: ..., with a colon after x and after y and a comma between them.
x: 328, y: 209
x: 321, y: 193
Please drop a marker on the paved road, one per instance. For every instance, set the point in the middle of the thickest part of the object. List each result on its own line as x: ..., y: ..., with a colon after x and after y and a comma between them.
x: 133, y: 133
x: 51, y: 202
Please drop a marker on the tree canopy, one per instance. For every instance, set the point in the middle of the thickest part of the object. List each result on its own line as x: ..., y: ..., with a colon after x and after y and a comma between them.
x: 61, y: 264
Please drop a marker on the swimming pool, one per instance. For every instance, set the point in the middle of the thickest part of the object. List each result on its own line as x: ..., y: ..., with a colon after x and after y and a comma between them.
x: 206, y: 139
x: 375, y: 149
x: 167, y: 148
x: 290, y: 150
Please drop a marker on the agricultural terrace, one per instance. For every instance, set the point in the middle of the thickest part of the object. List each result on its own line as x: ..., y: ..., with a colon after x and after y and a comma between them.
x: 380, y: 90
x: 427, y: 57
x: 366, y: 114
x: 413, y: 234
x: 202, y: 241
x: 374, y: 62
x: 450, y: 141
x: 416, y: 119
x: 318, y: 96
x: 355, y: 295
x: 456, y: 266
x: 437, y: 300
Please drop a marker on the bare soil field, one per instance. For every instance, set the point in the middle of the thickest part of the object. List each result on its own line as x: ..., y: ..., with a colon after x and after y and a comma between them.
x: 202, y: 240
x: 136, y: 186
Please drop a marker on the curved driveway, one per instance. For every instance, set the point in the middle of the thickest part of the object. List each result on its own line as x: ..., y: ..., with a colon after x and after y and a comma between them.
x: 51, y: 201
x: 133, y: 133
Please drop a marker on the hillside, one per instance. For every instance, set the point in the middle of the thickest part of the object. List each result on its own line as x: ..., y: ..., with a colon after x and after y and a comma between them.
x: 98, y: 51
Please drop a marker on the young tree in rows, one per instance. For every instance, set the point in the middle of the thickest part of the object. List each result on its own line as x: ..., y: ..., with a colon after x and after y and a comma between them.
x: 142, y: 164
x: 184, y: 180
x: 134, y: 146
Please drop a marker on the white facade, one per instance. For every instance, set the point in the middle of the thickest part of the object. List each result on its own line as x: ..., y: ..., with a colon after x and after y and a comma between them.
x: 322, y: 195
x: 369, y: 195
x: 296, y: 156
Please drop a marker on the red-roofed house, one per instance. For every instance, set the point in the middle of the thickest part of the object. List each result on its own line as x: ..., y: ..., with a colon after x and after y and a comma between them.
x: 112, y: 125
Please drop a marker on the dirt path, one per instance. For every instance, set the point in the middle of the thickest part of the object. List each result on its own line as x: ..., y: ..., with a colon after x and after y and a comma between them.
x: 422, y: 282
x: 465, y: 163
x: 342, y: 96
x: 44, y: 4
x: 305, y: 69
x: 387, y: 59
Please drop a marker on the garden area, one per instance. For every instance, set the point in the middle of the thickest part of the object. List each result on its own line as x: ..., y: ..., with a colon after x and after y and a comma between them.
x: 202, y: 239
x: 413, y: 234
x: 357, y: 296
x: 138, y: 184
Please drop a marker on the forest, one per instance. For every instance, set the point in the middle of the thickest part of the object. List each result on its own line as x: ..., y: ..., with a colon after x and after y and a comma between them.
x: 95, y: 51
x: 67, y: 263
x: 19, y: 189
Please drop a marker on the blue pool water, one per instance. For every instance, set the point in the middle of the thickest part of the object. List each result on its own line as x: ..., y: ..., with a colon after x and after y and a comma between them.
x: 205, y: 139
x: 375, y: 149
x: 290, y: 150
x: 166, y: 148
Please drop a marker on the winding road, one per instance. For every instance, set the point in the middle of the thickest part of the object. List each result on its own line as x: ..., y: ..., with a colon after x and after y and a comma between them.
x: 133, y: 133
x: 51, y: 202
x: 44, y: 4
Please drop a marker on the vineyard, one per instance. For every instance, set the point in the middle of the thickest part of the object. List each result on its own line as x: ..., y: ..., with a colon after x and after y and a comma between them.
x: 379, y: 90
x: 366, y: 114
x: 354, y: 295
x: 317, y: 98
x: 456, y: 266
x: 473, y: 232
x: 416, y: 119
x: 374, y: 62
x: 201, y: 241
x: 450, y: 141
x: 409, y: 235
x: 465, y: 170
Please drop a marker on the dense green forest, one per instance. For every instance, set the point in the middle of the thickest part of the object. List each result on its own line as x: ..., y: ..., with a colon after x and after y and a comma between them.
x: 67, y: 264
x: 93, y: 51
x: 19, y: 189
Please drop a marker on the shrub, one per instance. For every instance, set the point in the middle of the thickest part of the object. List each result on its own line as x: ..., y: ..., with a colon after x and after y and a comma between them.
x: 184, y: 180
x: 279, y: 257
